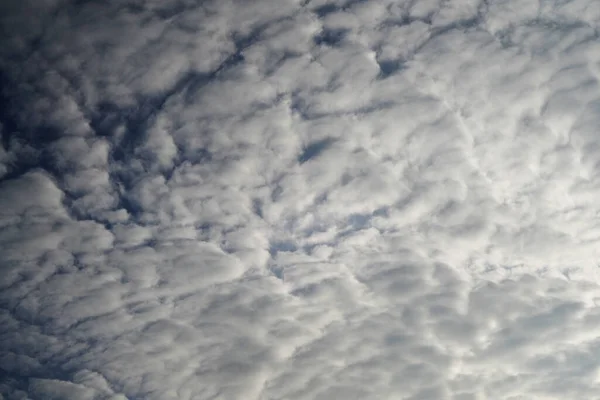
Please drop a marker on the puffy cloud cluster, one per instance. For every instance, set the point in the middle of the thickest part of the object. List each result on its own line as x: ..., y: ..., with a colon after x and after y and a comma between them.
x: 299, y: 200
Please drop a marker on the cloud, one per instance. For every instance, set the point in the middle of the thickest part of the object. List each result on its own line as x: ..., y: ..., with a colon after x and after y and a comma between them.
x: 299, y: 200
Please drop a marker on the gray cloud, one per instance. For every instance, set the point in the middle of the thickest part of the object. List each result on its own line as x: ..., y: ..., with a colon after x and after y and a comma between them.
x: 299, y: 200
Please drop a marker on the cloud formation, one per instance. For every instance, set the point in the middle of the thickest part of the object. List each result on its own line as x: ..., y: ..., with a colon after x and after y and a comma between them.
x: 299, y: 200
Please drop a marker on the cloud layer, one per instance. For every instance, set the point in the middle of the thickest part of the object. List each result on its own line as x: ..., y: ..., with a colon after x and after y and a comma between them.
x: 299, y: 200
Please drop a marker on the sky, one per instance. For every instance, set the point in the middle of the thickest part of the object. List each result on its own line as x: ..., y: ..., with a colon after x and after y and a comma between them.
x: 299, y: 200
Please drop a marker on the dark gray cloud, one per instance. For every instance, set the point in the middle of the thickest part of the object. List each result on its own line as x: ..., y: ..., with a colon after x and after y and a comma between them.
x: 299, y: 200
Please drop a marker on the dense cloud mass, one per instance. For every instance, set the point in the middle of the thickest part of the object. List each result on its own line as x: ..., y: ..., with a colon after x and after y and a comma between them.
x: 300, y: 200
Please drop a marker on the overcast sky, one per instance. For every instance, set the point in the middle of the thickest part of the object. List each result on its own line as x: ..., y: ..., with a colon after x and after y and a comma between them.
x: 299, y: 200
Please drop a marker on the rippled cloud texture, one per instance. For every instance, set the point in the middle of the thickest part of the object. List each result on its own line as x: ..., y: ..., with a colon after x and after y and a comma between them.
x: 269, y: 199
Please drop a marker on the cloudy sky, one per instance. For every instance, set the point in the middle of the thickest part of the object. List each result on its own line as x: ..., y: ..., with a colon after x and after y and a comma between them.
x: 299, y: 200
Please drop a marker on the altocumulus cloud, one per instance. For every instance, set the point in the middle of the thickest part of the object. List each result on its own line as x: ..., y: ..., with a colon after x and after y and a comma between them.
x: 299, y: 200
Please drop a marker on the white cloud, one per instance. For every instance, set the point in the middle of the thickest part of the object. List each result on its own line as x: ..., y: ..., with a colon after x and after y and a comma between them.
x: 299, y: 200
